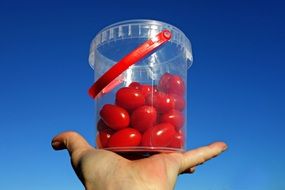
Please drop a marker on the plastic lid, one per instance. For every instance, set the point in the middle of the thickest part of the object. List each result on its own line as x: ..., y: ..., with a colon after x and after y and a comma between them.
x: 134, y: 29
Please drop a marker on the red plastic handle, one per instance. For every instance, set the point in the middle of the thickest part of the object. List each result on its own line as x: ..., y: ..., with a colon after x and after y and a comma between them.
x: 136, y: 55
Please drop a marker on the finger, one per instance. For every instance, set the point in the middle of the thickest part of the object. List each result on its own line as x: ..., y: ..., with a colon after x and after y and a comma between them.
x: 200, y: 155
x: 71, y: 141
x: 189, y: 171
x: 192, y: 170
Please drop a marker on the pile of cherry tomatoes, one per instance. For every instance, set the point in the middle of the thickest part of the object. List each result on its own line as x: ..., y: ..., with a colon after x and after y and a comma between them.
x: 144, y: 116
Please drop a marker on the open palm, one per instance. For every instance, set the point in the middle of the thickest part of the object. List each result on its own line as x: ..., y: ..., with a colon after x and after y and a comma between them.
x: 101, y: 169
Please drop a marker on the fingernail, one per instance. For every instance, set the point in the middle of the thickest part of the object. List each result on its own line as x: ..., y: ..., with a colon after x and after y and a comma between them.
x: 225, y: 148
x: 55, y: 144
x: 192, y: 170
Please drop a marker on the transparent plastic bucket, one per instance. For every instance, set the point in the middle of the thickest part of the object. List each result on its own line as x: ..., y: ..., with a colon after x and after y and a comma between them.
x: 144, y: 111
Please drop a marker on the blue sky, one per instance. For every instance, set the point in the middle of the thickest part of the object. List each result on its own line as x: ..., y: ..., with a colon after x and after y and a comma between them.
x: 236, y: 87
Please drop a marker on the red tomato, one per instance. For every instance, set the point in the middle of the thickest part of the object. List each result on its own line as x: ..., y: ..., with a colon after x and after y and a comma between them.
x: 171, y: 84
x: 176, y: 85
x: 161, y: 101
x: 178, y: 140
x: 104, y: 137
x: 101, y: 125
x: 114, y: 116
x: 135, y: 85
x: 146, y: 138
x: 148, y: 89
x: 143, y: 118
x: 129, y: 98
x: 104, y: 134
x: 174, y: 117
x: 179, y: 102
x: 125, y: 138
x: 155, y: 88
x: 160, y: 135
x: 163, y: 82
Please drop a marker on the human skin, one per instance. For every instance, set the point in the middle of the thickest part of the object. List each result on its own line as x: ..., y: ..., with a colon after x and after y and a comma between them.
x: 100, y: 169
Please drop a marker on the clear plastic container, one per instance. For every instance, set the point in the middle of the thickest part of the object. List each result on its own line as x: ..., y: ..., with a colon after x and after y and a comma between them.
x: 144, y: 110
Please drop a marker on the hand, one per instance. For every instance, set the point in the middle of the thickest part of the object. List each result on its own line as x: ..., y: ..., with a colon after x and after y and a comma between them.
x: 100, y: 169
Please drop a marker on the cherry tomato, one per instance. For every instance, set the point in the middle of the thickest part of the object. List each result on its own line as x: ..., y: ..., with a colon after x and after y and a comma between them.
x: 129, y: 98
x: 176, y: 85
x: 104, y: 134
x: 135, y: 85
x: 104, y: 137
x: 101, y: 125
x: 125, y: 138
x: 143, y: 118
x: 114, y: 116
x: 169, y: 83
x: 179, y: 102
x: 160, y: 135
x: 178, y: 140
x: 148, y: 89
x: 163, y: 82
x: 161, y: 101
x: 146, y: 138
x: 174, y: 117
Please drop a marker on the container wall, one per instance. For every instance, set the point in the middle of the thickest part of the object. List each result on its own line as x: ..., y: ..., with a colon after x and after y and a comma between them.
x: 145, y: 109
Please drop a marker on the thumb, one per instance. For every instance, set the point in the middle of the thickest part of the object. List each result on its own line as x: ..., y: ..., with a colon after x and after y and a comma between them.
x: 71, y: 141
x: 200, y: 155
